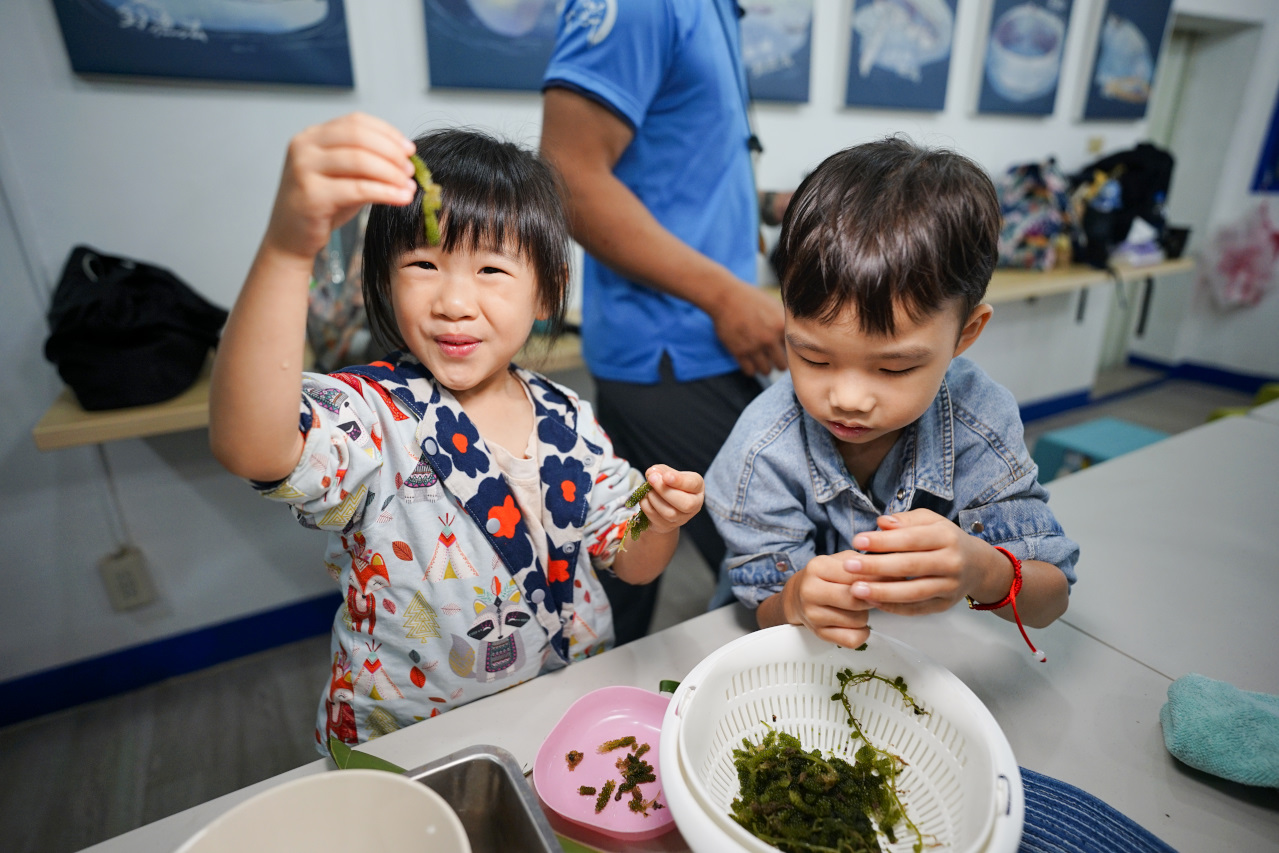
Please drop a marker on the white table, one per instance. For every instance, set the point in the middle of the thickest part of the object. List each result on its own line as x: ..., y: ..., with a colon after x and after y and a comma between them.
x: 1268, y: 412
x: 1088, y: 717
x: 1179, y: 544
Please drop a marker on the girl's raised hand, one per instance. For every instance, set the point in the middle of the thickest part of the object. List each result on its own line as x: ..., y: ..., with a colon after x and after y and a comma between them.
x: 330, y: 172
x: 675, y: 497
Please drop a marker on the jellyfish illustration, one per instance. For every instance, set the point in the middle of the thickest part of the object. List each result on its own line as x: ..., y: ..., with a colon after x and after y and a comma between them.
x: 902, y: 36
x: 1125, y: 64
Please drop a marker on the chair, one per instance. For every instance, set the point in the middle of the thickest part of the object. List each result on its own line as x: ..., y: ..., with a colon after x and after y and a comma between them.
x: 1093, y: 441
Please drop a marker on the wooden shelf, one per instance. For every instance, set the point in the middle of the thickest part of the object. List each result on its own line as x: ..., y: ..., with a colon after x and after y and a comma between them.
x: 66, y: 424
x: 1008, y: 285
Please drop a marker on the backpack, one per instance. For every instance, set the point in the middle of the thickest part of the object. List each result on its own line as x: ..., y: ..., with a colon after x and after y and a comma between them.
x: 126, y: 333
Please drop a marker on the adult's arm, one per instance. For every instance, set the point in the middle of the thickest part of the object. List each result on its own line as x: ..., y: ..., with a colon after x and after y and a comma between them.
x: 584, y: 140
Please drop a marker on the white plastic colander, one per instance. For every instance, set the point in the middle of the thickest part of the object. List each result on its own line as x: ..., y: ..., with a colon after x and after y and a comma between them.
x: 960, y: 786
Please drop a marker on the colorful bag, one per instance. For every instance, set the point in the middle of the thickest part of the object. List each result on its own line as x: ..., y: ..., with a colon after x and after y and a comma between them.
x: 1035, y: 206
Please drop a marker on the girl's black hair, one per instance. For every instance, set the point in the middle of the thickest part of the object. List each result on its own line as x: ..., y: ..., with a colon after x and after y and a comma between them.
x: 495, y: 195
x: 885, y: 223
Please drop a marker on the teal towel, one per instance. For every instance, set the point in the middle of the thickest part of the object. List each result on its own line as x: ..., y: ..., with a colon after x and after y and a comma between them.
x: 1222, y: 730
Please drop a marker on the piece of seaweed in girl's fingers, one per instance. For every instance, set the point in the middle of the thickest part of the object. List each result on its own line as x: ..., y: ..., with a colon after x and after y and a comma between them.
x: 431, y: 200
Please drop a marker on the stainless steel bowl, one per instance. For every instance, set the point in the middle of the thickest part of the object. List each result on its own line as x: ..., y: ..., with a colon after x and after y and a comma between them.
x: 487, y: 789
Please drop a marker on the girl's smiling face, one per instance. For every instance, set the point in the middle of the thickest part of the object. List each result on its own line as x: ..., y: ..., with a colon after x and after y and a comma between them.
x: 465, y: 314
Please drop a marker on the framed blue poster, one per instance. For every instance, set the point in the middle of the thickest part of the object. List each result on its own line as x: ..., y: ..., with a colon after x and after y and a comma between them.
x: 777, y: 38
x: 1023, y: 56
x: 900, y: 54
x: 489, y: 44
x: 299, y: 41
x: 1266, y: 180
x: 1132, y: 33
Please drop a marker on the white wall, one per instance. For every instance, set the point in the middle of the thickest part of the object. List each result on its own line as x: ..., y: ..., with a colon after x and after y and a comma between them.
x: 1229, y: 95
x: 183, y: 175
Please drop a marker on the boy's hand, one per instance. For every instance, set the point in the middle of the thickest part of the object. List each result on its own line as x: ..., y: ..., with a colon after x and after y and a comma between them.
x: 819, y: 598
x: 920, y: 562
x: 331, y: 171
x: 675, y: 497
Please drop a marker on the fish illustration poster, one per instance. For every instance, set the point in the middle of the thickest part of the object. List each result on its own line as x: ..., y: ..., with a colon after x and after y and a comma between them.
x: 490, y: 44
x: 900, y: 54
x: 777, y: 40
x: 1022, y: 66
x: 1132, y: 32
x: 269, y: 41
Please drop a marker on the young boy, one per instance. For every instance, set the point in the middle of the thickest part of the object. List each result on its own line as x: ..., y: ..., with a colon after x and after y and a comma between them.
x: 885, y: 472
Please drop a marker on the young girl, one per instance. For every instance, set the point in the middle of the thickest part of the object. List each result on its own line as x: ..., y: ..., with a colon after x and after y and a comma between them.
x: 469, y: 503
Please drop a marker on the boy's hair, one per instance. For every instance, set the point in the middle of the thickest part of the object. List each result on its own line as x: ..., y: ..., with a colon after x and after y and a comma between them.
x: 888, y: 223
x: 495, y: 195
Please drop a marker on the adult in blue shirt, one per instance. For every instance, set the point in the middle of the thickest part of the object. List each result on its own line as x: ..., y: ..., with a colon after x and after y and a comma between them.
x: 645, y: 115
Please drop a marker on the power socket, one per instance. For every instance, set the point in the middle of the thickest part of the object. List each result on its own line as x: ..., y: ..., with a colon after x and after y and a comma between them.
x: 125, y: 576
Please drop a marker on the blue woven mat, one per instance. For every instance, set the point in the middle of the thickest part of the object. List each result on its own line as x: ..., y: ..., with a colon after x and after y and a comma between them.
x: 1061, y: 818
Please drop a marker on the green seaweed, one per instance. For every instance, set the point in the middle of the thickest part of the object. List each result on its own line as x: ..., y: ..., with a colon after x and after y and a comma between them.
x: 638, y: 522
x: 801, y: 801
x: 431, y: 200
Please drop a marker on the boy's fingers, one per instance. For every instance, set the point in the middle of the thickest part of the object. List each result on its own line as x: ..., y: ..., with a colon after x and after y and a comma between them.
x: 922, y: 538
x: 849, y: 638
x: 903, y: 592
x: 910, y: 518
x: 891, y: 566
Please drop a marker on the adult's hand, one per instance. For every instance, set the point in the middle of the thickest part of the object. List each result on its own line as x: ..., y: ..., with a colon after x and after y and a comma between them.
x: 749, y: 322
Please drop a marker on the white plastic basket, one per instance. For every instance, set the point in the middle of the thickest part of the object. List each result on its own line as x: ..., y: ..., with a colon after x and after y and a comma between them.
x: 960, y: 786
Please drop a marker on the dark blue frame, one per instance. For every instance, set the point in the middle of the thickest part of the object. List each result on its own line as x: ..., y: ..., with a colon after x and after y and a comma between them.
x: 97, y: 43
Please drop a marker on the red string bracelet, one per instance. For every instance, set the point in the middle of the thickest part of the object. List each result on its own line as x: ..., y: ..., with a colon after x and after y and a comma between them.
x: 1011, y: 598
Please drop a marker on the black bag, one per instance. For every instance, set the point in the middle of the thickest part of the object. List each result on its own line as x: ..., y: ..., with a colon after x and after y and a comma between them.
x: 1144, y: 176
x: 126, y: 333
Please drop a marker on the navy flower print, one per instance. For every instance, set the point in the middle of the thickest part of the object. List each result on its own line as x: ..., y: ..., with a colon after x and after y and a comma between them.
x: 460, y: 439
x: 567, y: 488
x: 494, y: 507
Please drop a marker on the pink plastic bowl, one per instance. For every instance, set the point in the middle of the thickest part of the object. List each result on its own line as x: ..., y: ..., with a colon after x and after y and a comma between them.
x: 600, y: 716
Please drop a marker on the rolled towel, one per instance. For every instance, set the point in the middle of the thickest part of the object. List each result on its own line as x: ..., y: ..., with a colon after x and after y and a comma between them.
x: 1220, y: 729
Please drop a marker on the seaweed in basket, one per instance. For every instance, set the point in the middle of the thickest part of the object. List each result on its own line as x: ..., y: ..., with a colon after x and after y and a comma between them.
x: 801, y: 801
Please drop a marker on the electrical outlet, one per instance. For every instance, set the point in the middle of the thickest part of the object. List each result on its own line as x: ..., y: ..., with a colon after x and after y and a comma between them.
x: 125, y: 576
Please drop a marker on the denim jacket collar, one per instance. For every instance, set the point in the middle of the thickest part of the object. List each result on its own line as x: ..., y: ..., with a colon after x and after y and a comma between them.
x: 925, y: 451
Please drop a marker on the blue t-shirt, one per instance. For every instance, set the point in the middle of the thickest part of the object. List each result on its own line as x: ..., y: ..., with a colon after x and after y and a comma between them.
x: 671, y: 69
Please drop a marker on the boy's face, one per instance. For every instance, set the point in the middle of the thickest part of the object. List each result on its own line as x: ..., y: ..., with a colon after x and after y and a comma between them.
x: 866, y: 388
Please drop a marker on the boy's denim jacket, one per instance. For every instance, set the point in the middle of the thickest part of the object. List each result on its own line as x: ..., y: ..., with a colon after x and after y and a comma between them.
x: 780, y: 495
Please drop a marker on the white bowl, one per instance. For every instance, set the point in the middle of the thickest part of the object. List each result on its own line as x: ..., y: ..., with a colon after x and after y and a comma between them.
x: 337, y: 812
x: 961, y: 784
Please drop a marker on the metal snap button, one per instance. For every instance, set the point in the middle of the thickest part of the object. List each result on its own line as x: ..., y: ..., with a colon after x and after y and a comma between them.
x: 977, y: 527
x: 901, y: 494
